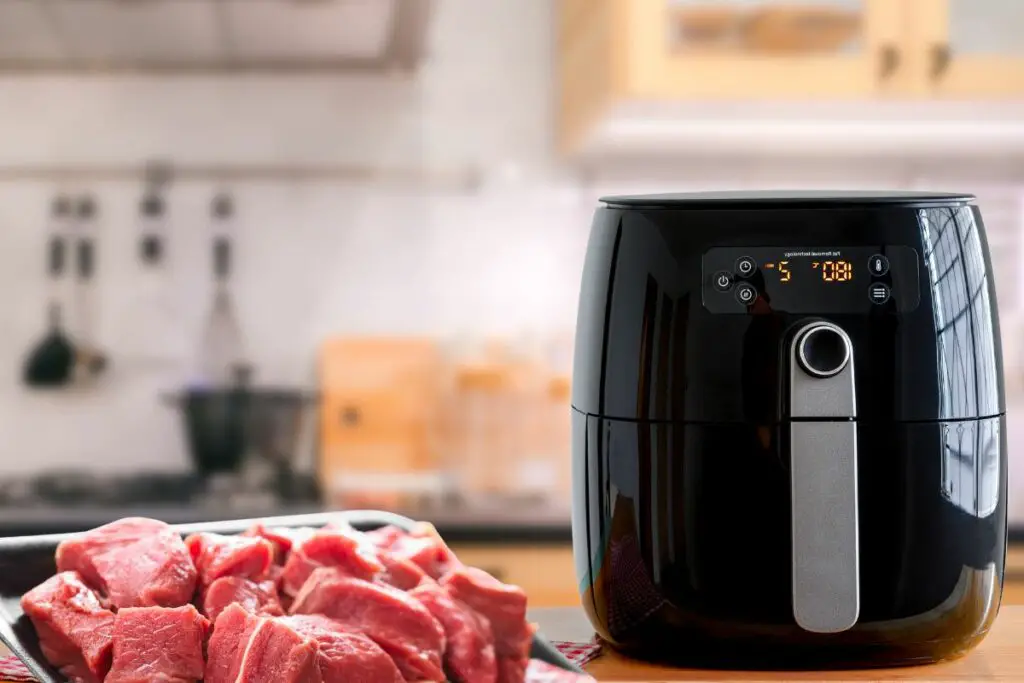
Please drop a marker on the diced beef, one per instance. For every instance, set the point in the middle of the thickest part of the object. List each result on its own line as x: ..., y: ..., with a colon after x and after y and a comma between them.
x: 215, y: 556
x: 469, y: 656
x: 75, y: 630
x: 257, y: 598
x: 385, y: 536
x: 158, y: 644
x: 502, y: 604
x: 423, y: 547
x: 542, y: 672
x: 512, y: 669
x: 282, y: 538
x: 343, y: 549
x: 346, y: 657
x: 400, y: 624
x: 134, y: 562
x: 400, y: 572
x: 255, y: 649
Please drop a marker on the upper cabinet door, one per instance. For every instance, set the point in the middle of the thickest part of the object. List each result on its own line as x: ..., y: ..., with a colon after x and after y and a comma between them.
x: 763, y: 49
x: 969, y: 48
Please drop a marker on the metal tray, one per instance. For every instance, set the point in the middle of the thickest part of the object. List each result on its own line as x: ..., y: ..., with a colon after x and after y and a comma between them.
x: 27, y: 561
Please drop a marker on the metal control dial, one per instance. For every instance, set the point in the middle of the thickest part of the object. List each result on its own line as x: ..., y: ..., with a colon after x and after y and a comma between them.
x: 823, y: 351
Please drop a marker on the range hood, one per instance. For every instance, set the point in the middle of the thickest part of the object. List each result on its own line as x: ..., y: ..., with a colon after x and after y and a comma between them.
x: 198, y: 36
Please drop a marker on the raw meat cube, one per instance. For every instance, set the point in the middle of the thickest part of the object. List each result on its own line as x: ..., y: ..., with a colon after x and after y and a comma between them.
x: 502, y: 604
x: 346, y: 657
x: 512, y: 669
x: 400, y: 572
x: 469, y: 656
x: 385, y: 536
x: 344, y: 549
x: 215, y: 556
x: 423, y: 547
x: 257, y: 598
x: 134, y: 562
x: 282, y: 538
x: 402, y: 626
x: 542, y: 672
x: 75, y: 630
x: 250, y: 649
x: 158, y: 644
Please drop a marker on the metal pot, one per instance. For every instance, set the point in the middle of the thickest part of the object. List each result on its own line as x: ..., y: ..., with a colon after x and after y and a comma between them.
x: 223, y: 426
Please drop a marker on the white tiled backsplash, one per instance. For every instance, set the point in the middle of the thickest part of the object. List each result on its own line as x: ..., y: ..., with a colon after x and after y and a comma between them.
x: 315, y: 260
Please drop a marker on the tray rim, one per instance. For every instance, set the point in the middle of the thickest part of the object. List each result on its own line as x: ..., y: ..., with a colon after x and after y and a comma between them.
x: 361, y: 519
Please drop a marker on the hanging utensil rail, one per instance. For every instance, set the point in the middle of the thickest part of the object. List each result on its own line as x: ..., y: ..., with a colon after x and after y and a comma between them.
x: 460, y: 178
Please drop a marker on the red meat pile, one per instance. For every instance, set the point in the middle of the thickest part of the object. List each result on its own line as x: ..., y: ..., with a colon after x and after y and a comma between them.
x: 331, y: 605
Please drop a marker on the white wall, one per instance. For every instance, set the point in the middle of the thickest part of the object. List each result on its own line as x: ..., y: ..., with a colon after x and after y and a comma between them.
x: 314, y: 259
x: 321, y: 259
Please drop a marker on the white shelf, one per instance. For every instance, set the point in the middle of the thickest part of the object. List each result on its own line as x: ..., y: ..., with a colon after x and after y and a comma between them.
x: 890, y: 130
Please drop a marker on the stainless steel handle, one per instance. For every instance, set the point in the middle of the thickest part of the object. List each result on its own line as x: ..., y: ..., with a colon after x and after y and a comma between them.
x: 823, y: 472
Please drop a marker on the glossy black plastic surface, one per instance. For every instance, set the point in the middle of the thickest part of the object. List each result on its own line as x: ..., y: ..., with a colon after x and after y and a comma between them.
x: 648, y: 349
x: 682, y: 490
x: 27, y: 561
x: 686, y: 555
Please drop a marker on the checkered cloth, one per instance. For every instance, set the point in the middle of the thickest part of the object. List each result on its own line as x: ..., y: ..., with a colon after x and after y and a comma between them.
x: 579, y: 653
x: 11, y: 668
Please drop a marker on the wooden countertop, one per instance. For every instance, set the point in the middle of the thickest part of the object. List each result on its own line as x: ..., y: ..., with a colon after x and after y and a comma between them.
x: 1000, y: 657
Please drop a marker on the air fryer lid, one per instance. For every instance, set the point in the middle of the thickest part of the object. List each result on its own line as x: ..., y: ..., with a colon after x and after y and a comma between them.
x: 663, y: 333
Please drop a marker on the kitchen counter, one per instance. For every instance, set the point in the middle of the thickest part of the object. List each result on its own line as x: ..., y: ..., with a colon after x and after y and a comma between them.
x: 1000, y: 657
x: 518, y: 524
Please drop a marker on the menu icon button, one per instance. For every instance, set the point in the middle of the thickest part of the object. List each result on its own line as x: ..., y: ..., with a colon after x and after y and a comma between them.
x: 879, y: 293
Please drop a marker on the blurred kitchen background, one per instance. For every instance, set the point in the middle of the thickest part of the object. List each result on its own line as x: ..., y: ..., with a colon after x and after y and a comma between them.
x: 273, y: 256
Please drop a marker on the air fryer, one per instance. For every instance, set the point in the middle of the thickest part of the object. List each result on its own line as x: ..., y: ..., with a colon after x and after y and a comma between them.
x: 789, y: 429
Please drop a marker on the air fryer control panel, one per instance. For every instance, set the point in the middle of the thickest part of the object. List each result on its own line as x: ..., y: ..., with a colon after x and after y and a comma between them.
x: 806, y: 280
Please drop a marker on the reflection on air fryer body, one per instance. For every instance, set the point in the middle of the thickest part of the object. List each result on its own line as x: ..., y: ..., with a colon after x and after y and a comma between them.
x: 682, y: 422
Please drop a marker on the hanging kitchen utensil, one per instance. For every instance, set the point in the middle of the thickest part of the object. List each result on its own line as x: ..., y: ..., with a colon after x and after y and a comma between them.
x: 51, y: 361
x: 153, y: 314
x: 221, y: 350
x: 90, y: 361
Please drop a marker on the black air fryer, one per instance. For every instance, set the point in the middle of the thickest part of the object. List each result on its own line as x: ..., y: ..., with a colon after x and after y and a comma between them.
x: 788, y: 429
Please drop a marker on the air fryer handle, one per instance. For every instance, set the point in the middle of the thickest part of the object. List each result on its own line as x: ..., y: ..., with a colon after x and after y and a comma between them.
x: 823, y: 470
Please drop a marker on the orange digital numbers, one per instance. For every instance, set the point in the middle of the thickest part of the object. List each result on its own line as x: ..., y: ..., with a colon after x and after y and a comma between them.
x: 836, y: 271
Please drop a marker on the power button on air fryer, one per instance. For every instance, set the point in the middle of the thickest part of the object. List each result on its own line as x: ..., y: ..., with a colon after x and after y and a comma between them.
x: 723, y: 281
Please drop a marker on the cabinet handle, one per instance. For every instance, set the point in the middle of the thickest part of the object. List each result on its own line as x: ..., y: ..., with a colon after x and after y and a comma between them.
x: 890, y: 59
x: 350, y: 417
x: 942, y: 55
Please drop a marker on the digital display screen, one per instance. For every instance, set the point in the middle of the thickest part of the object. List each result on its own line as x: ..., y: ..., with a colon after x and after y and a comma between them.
x: 818, y: 266
x: 811, y: 280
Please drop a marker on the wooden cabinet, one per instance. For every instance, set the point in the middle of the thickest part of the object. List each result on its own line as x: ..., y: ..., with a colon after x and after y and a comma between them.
x: 632, y: 56
x: 966, y: 48
x: 1013, y: 584
x: 828, y: 48
x: 545, y: 572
